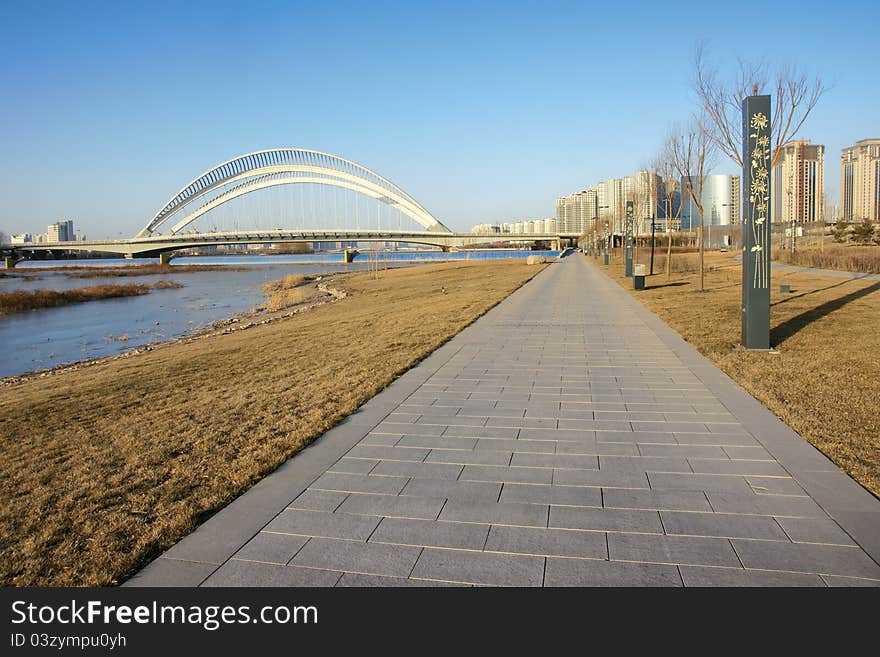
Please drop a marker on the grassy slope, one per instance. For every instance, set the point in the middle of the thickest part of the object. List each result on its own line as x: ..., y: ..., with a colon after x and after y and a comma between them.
x: 106, y: 466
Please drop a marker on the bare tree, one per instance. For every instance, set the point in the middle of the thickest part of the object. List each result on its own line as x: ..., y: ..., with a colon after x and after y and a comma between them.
x: 691, y: 151
x: 664, y: 168
x: 794, y: 97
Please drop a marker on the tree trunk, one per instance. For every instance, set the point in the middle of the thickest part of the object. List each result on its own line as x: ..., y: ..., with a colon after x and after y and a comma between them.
x: 668, y: 253
x: 702, y: 269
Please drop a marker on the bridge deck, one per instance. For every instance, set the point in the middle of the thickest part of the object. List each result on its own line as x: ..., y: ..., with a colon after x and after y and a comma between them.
x: 567, y: 438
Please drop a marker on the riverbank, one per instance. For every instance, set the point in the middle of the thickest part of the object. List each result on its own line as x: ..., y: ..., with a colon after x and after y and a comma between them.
x: 108, y: 465
x: 20, y: 300
x: 823, y: 380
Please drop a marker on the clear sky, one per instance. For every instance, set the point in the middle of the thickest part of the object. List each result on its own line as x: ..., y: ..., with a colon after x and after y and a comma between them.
x: 482, y: 111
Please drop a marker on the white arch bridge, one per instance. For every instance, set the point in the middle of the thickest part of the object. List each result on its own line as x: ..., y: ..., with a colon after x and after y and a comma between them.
x: 286, y: 195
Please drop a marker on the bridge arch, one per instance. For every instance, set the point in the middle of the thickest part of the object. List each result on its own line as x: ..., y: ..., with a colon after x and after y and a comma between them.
x: 283, y: 166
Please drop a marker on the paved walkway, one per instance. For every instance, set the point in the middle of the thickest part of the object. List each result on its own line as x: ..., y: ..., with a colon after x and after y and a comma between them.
x: 567, y: 438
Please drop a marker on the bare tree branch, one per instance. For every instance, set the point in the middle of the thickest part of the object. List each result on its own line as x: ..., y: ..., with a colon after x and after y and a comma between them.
x: 795, y: 97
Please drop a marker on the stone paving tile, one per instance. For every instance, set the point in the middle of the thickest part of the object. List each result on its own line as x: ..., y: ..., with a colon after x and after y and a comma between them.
x: 322, y: 523
x: 833, y: 580
x: 482, y: 432
x: 454, y: 490
x: 701, y: 482
x: 611, y: 520
x: 571, y: 461
x: 644, y: 464
x: 705, y: 576
x: 727, y: 466
x: 499, y: 513
x: 250, y: 573
x: 401, y: 506
x: 774, y: 485
x: 653, y: 499
x: 470, y: 456
x: 363, y: 558
x: 547, y: 542
x: 815, y: 530
x: 725, y: 526
x: 360, y: 483
x: 767, y: 505
x: 544, y: 494
x: 511, y: 474
x: 411, y: 469
x: 271, y: 548
x: 349, y: 465
x: 480, y: 568
x: 591, y: 572
x: 600, y: 478
x: 517, y: 445
x: 318, y: 500
x: 697, y: 551
x: 402, y: 453
x: 424, y: 533
x: 809, y: 558
x: 373, y: 581
x: 684, y: 451
x: 437, y: 442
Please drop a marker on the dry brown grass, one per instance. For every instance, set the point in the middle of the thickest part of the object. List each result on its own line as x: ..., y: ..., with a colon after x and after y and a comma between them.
x: 845, y: 257
x: 286, y: 292
x: 825, y: 380
x: 105, y: 467
x: 20, y: 300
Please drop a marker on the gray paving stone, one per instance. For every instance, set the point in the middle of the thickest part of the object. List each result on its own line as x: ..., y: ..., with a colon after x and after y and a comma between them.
x: 453, y: 490
x: 483, y: 432
x: 644, y: 464
x: 424, y: 533
x: 697, y: 551
x: 480, y: 568
x: 591, y: 572
x: 572, y: 461
x: 438, y: 442
x: 511, y: 474
x: 684, y: 451
x: 733, y: 440
x: 319, y: 500
x: 470, y: 456
x: 547, y: 542
x: 322, y: 523
x: 774, y: 485
x: 833, y: 580
x: 359, y: 483
x: 548, y: 494
x: 808, y: 558
x: 610, y: 520
x: 600, y: 478
x: 499, y: 513
x: 353, y: 466
x: 706, y: 576
x: 721, y: 525
x: 164, y: 572
x: 402, y: 506
x: 411, y: 469
x: 653, y: 499
x: 517, y: 445
x: 379, y: 452
x: 377, y: 581
x: 355, y: 557
x: 766, y: 505
x: 726, y: 466
x: 702, y: 482
x: 250, y: 573
x: 271, y: 548
x: 578, y: 436
x: 815, y: 530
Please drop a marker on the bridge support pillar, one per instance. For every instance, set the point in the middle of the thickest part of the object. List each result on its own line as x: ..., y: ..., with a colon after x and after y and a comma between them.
x: 9, y: 262
x: 557, y: 245
x: 165, y: 258
x: 348, y: 255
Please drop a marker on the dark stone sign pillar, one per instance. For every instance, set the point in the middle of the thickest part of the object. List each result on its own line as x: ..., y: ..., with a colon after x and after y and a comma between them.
x: 757, y: 149
x: 629, y: 238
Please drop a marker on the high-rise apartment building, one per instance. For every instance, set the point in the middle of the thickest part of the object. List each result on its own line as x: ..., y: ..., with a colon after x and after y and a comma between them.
x: 860, y: 181
x: 798, y: 180
x: 60, y: 231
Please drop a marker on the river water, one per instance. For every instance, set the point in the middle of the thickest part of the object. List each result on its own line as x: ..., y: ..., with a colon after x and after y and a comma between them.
x: 49, y: 337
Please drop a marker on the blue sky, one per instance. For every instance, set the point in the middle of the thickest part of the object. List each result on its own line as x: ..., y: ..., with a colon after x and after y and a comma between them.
x: 482, y: 111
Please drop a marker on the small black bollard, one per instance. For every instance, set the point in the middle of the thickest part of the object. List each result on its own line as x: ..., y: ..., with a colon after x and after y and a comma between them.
x: 638, y: 277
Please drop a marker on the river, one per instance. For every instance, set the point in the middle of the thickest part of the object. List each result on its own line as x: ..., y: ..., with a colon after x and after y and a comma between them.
x: 49, y: 337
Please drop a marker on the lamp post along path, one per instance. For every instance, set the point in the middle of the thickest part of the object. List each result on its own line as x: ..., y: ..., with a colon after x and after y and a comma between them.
x: 756, y: 223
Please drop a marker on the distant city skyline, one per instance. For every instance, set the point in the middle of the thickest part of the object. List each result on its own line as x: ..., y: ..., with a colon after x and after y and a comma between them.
x: 483, y: 113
